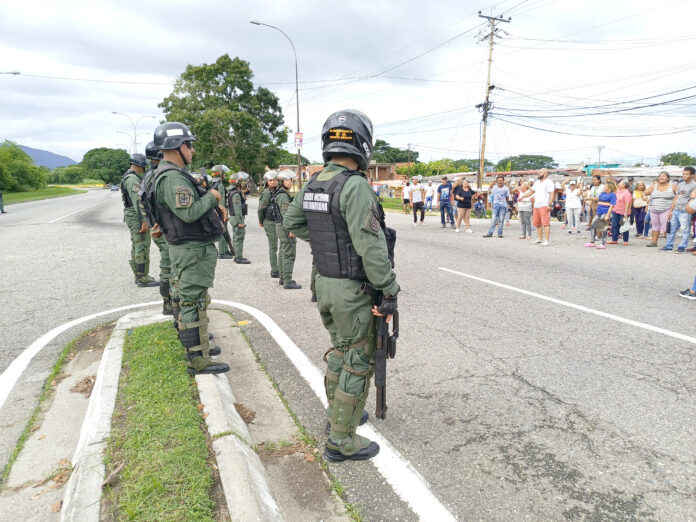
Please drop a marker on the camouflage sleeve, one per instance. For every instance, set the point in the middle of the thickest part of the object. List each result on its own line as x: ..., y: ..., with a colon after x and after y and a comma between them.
x: 238, y: 218
x: 182, y: 198
x: 359, y: 208
x: 294, y: 218
x: 263, y: 203
x: 132, y: 184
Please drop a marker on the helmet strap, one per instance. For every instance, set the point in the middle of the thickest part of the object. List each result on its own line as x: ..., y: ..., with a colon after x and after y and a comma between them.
x: 178, y: 149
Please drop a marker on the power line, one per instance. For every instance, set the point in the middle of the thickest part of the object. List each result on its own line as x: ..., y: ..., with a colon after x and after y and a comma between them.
x: 689, y: 129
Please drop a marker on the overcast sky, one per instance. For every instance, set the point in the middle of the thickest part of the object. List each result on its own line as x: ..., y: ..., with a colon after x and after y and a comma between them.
x: 416, y: 68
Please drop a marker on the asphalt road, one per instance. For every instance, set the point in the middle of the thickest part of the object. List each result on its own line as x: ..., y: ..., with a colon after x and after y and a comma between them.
x: 509, y: 405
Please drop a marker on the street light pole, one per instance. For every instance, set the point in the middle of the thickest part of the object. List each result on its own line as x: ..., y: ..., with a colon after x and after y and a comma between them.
x: 135, y: 127
x: 297, y: 92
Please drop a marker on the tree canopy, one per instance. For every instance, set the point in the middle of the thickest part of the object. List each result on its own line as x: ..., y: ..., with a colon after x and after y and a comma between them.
x: 285, y: 157
x: 385, y: 153
x: 526, y: 162
x: 17, y: 169
x: 678, y: 158
x: 234, y: 123
x: 105, y: 164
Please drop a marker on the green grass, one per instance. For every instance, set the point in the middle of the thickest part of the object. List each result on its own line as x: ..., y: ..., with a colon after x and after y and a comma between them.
x: 159, y: 435
x: 392, y: 203
x: 46, y: 193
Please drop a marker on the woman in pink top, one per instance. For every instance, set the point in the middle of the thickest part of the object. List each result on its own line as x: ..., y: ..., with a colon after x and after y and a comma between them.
x: 622, y: 210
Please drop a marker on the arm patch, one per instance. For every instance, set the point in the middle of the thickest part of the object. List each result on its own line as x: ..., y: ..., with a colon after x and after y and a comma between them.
x: 184, y: 197
x: 372, y: 222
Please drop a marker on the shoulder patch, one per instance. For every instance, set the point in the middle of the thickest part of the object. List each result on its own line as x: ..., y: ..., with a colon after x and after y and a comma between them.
x: 184, y: 196
x: 372, y: 222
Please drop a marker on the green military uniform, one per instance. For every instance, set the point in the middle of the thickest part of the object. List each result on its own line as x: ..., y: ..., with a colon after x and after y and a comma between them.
x: 288, y: 248
x: 194, y: 261
x: 2, y: 205
x: 265, y: 213
x: 345, y: 311
x: 219, y: 185
x: 236, y: 219
x: 133, y: 217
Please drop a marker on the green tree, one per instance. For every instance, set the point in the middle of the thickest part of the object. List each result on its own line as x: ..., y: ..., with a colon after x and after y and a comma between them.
x: 470, y: 165
x: 105, y: 164
x: 234, y: 123
x: 526, y: 162
x: 677, y: 158
x: 385, y: 153
x: 69, y: 174
x: 17, y: 169
x: 284, y: 157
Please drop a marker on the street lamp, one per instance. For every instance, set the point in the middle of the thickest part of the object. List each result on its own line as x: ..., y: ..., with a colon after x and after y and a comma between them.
x: 297, y: 93
x: 135, y: 127
x: 134, y: 143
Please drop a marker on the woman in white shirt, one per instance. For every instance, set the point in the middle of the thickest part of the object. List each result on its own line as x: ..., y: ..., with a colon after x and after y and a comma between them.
x: 573, y: 204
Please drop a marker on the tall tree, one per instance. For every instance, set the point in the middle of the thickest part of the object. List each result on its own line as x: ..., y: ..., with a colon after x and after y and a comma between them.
x: 234, y: 123
x: 526, y: 162
x: 677, y: 158
x: 17, y: 169
x: 470, y: 165
x: 385, y: 153
x: 105, y: 164
x: 283, y: 157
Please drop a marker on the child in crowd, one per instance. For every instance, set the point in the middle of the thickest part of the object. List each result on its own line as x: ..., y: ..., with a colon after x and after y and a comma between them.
x: 605, y: 205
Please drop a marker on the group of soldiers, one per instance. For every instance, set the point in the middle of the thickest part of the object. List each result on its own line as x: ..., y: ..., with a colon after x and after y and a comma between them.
x: 353, y: 280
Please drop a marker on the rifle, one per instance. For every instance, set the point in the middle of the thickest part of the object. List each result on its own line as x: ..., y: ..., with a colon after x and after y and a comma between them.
x: 385, y: 349
x: 201, y: 191
x: 279, y: 218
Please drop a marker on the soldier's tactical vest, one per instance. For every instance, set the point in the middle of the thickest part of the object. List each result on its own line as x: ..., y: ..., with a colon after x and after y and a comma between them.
x: 207, y: 228
x: 125, y: 196
x: 270, y: 212
x: 232, y: 192
x: 144, y: 200
x: 332, y: 248
x: 217, y: 184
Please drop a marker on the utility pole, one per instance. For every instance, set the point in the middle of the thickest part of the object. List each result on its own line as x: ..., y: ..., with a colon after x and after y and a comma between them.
x: 486, y: 106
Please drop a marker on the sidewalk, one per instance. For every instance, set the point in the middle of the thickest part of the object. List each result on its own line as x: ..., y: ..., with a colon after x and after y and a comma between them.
x: 267, y: 471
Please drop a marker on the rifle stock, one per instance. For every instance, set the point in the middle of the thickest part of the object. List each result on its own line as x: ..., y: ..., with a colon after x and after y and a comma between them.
x: 385, y: 349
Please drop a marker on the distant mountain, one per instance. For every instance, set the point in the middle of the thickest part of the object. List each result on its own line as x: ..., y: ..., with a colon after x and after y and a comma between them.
x: 43, y: 158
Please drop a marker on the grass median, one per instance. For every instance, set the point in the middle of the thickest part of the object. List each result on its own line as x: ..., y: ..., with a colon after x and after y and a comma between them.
x: 159, y: 463
x: 45, y: 193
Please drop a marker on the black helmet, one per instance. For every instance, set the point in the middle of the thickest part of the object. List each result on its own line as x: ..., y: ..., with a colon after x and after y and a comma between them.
x: 138, y: 160
x: 152, y: 152
x: 171, y: 135
x: 348, y: 133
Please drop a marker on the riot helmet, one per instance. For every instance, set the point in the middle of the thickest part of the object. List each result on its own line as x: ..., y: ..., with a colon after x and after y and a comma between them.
x: 139, y: 160
x: 152, y: 152
x: 238, y: 178
x: 171, y: 135
x: 348, y: 133
x: 219, y: 170
x: 270, y: 175
x: 286, y: 174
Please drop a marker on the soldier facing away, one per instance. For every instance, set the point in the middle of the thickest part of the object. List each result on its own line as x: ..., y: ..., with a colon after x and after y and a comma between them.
x: 137, y: 224
x: 188, y: 218
x: 340, y: 214
x: 267, y: 218
x: 288, y: 243
x: 218, y: 172
x: 236, y: 202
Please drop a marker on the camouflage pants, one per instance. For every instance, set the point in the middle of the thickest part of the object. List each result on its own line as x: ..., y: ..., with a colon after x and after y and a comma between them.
x: 140, y: 243
x: 165, y: 262
x: 286, y: 254
x: 238, y: 235
x: 269, y: 227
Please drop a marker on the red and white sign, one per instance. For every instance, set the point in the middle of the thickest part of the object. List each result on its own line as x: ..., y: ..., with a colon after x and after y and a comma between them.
x: 298, y: 140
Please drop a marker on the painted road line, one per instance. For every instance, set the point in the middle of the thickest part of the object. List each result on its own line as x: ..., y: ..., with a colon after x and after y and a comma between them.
x: 411, y: 487
x: 66, y: 215
x: 644, y: 326
x: 11, y: 375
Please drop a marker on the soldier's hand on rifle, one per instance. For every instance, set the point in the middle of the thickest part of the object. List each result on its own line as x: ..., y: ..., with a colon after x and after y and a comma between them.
x: 155, y: 231
x: 224, y: 213
x: 291, y: 235
x: 241, y: 225
x: 387, y: 307
x: 216, y: 194
x: 260, y: 224
x: 143, y: 227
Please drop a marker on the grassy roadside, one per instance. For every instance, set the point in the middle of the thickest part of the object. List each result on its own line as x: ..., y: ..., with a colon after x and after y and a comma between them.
x: 158, y: 455
x: 46, y: 193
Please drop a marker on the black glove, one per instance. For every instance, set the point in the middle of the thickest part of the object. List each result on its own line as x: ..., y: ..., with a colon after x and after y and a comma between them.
x: 388, y: 306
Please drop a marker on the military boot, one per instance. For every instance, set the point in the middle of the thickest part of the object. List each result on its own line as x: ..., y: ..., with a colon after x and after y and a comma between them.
x: 241, y: 261
x: 344, y: 443
x: 194, y: 337
x: 292, y: 285
x: 144, y: 280
x: 226, y: 255
x: 167, y: 308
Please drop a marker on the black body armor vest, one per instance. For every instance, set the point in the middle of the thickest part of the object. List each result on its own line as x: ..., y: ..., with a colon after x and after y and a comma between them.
x: 332, y: 248
x: 175, y: 230
x: 270, y: 213
x: 125, y: 196
x: 145, y: 200
x: 245, y: 208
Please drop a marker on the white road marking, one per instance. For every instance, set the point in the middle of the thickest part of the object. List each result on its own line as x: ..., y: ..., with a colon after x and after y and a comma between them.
x: 644, y: 326
x: 66, y: 215
x: 411, y: 487
x: 9, y: 377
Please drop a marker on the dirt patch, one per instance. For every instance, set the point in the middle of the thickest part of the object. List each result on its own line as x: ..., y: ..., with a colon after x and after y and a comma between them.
x: 85, y: 386
x: 94, y: 339
x: 245, y: 413
x: 271, y: 450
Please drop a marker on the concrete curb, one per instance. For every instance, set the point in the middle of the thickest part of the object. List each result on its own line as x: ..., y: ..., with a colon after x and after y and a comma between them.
x: 82, y: 500
x: 244, y: 479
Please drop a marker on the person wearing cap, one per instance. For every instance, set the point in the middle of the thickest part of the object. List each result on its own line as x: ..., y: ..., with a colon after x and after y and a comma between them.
x: 267, y: 218
x: 444, y: 192
x: 236, y: 201
x: 573, y: 205
x: 133, y: 217
x: 191, y: 219
x: 218, y: 173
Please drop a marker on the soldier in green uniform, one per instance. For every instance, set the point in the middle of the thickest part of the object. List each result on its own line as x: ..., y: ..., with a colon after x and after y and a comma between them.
x: 154, y: 155
x: 342, y: 217
x: 236, y: 201
x: 267, y: 218
x: 187, y: 216
x: 2, y: 204
x: 218, y: 172
x: 288, y: 243
x: 133, y: 217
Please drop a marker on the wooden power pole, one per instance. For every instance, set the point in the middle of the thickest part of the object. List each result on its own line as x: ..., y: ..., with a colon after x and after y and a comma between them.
x: 486, y: 105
